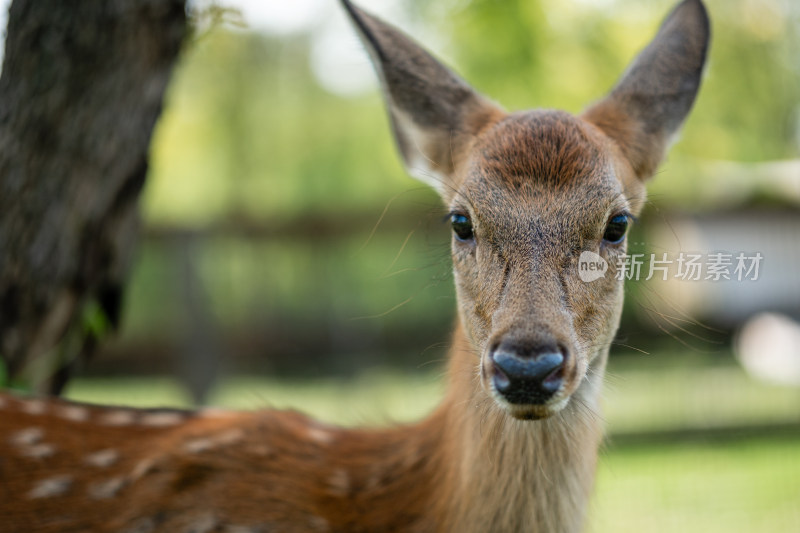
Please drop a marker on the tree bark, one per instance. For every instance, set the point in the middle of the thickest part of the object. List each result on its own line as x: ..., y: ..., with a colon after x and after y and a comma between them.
x: 81, y: 89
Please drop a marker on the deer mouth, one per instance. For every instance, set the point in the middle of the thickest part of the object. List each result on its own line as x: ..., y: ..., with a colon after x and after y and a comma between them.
x: 535, y: 412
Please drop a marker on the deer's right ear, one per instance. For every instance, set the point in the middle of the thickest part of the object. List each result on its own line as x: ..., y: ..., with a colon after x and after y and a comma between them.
x: 434, y: 113
x: 647, y: 107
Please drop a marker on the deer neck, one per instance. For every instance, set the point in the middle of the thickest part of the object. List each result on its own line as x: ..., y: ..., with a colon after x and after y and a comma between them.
x: 505, y: 474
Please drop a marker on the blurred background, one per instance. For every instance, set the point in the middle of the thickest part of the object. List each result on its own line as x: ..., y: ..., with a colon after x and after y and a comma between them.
x: 288, y: 261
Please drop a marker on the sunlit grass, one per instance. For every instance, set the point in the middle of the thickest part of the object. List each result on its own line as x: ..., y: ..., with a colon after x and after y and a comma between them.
x: 373, y: 398
x: 640, y: 399
x: 745, y: 487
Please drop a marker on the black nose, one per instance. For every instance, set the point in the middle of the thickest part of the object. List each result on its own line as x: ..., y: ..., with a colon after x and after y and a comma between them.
x: 528, y: 377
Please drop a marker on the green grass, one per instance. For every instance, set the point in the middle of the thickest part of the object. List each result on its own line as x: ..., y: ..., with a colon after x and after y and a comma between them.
x: 698, y: 397
x: 634, y: 399
x: 745, y: 487
x: 732, y: 487
x: 370, y: 399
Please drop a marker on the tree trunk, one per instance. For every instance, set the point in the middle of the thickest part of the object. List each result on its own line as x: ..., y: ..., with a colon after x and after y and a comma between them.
x: 81, y: 89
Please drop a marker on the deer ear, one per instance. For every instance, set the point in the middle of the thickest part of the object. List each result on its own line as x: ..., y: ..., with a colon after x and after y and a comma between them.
x: 648, y: 105
x: 433, y: 112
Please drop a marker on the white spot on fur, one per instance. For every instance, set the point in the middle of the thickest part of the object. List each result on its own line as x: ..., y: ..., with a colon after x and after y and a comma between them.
x: 339, y: 483
x: 27, y: 436
x: 118, y: 417
x: 76, y: 413
x: 202, y: 444
x: 39, y: 451
x: 215, y: 412
x: 323, y: 436
x: 142, y: 468
x: 374, y: 481
x: 34, y: 407
x: 259, y: 449
x: 202, y: 524
x: 102, y: 458
x: 232, y: 436
x: 318, y: 523
x: 104, y: 490
x: 198, y: 445
x: 54, y: 486
x: 161, y: 419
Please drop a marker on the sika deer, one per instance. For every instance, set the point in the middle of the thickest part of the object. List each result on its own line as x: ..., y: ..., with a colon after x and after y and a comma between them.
x: 513, y: 445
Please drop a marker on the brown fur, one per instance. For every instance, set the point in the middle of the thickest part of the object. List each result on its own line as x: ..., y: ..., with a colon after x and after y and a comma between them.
x: 289, y: 473
x: 539, y: 188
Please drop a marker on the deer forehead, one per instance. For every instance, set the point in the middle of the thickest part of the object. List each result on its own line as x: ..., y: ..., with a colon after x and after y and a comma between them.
x: 541, y: 174
x: 547, y: 145
x: 541, y: 151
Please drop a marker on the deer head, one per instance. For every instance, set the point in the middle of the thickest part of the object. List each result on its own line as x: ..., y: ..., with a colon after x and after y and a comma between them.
x: 528, y: 192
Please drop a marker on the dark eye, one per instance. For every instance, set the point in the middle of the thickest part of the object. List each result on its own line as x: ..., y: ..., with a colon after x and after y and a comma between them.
x: 615, y: 229
x: 462, y: 226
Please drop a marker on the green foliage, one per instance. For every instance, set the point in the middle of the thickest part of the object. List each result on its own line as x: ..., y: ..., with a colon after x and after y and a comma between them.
x: 249, y: 133
x: 94, y: 319
x: 248, y: 130
x: 19, y: 384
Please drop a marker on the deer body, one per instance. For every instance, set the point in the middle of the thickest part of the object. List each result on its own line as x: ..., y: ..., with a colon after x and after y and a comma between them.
x: 73, y: 467
x: 513, y: 445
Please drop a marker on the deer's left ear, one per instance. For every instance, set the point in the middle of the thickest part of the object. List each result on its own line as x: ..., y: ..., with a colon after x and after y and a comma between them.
x: 649, y: 104
x: 434, y: 113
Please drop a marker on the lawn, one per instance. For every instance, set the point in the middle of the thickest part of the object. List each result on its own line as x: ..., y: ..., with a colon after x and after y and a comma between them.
x: 745, y: 485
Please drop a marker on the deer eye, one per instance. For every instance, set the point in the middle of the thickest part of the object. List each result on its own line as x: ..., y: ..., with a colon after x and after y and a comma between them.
x: 462, y: 226
x: 615, y: 229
